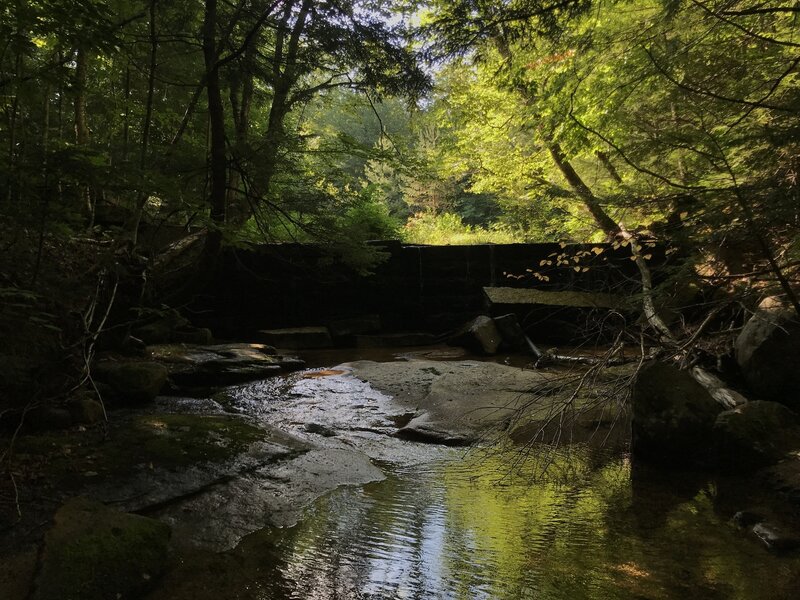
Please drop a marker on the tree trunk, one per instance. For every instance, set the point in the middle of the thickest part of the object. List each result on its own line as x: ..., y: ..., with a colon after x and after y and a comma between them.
x: 81, y: 122
x: 146, y: 126
x: 218, y: 167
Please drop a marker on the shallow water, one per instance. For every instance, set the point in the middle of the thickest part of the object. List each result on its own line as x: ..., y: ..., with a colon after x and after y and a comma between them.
x: 463, y: 528
x: 484, y: 524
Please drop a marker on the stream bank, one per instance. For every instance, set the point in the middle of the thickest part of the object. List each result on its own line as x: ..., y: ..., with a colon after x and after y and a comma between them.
x: 351, y: 481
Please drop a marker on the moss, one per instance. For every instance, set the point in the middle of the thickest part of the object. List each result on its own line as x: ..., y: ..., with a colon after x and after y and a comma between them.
x: 169, y: 441
x: 95, y: 553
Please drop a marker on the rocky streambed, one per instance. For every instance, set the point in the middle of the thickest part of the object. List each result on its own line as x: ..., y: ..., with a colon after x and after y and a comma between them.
x: 367, y: 479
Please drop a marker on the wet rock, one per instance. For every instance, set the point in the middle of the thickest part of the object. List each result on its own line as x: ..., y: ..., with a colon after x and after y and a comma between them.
x: 320, y: 429
x: 222, y: 364
x: 755, y: 434
x: 355, y: 326
x: 132, y: 382
x: 480, y: 336
x: 727, y: 397
x: 457, y: 403
x: 511, y: 332
x: 96, y: 553
x: 673, y: 417
x: 299, y: 338
x: 777, y: 537
x: 395, y: 340
x: 768, y: 352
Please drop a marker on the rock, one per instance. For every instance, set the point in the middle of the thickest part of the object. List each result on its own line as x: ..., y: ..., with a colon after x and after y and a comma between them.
x: 192, y: 335
x: 132, y: 382
x: 755, y: 434
x: 785, y: 478
x: 320, y: 429
x: 159, y: 329
x: 577, y: 299
x: 511, y: 332
x: 299, y: 338
x: 727, y: 397
x: 747, y: 518
x: 458, y: 403
x: 768, y: 352
x: 395, y: 340
x: 95, y: 553
x: 480, y: 336
x: 355, y: 326
x: 673, y: 417
x: 85, y: 410
x: 221, y: 364
x: 776, y: 537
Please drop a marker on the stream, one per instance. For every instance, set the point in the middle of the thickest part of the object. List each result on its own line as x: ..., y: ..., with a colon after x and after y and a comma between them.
x: 490, y: 522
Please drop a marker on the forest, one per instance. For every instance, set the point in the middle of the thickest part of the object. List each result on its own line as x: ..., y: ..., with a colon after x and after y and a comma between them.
x: 145, y: 144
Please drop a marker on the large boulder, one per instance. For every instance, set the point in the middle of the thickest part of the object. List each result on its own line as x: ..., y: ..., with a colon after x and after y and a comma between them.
x: 755, y: 434
x: 768, y: 352
x: 132, y: 382
x: 511, y: 332
x: 673, y: 417
x: 96, y: 553
x: 480, y: 336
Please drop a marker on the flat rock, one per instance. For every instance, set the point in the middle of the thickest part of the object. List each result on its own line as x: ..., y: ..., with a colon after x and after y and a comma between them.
x: 457, y: 403
x: 222, y: 364
x: 577, y: 299
x: 298, y: 338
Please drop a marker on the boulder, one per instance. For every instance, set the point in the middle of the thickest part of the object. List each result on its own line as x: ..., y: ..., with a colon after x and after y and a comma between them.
x: 755, y: 434
x: 768, y: 352
x: 480, y: 336
x: 96, y: 553
x: 298, y: 338
x: 132, y: 382
x: 85, y: 410
x: 511, y: 332
x: 159, y: 329
x: 192, y: 335
x: 673, y: 417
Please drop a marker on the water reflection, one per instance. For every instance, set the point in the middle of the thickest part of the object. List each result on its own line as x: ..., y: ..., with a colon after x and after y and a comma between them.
x: 465, y: 529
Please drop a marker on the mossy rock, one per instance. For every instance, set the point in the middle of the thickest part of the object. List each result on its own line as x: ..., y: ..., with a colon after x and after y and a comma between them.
x: 96, y: 553
x: 133, y: 382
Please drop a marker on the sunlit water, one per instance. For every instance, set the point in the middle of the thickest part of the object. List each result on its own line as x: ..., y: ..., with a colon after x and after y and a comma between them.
x: 488, y: 525
x: 462, y: 530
